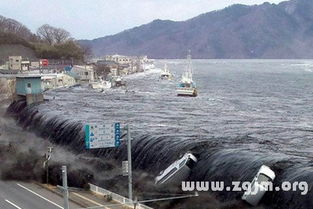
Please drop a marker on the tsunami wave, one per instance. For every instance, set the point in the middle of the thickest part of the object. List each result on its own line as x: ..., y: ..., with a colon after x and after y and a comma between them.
x: 217, y: 160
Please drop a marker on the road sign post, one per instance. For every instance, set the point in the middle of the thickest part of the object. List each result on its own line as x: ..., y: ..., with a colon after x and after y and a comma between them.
x: 108, y: 135
x: 129, y: 156
x: 65, y: 187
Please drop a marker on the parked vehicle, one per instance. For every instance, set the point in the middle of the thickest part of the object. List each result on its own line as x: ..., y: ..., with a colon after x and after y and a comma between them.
x: 259, y: 186
x: 177, y: 171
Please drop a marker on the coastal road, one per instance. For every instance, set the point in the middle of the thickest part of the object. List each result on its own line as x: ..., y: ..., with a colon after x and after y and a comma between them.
x: 18, y: 195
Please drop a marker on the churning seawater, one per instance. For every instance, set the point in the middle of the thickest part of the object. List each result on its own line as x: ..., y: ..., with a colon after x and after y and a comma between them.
x: 248, y: 113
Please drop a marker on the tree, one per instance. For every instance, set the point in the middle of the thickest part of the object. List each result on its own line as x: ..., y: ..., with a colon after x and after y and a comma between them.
x: 10, y: 26
x: 53, y: 35
x: 60, y: 35
x: 87, y: 51
x: 70, y: 49
x: 46, y: 32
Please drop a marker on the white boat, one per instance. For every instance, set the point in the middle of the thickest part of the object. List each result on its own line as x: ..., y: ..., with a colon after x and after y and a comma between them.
x: 117, y: 81
x: 101, y: 85
x: 187, y: 87
x: 166, y: 74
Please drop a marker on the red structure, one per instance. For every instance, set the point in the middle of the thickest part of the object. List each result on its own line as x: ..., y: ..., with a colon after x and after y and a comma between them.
x: 44, y: 62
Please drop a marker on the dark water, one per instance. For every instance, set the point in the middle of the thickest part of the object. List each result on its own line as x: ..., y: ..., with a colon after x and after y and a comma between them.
x: 248, y: 113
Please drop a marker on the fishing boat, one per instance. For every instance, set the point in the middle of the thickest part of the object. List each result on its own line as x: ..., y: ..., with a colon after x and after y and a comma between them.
x: 117, y: 81
x: 166, y: 74
x: 187, y: 87
x: 101, y: 85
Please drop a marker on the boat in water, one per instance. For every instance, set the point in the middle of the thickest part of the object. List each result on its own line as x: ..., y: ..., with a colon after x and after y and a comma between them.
x: 187, y: 87
x: 166, y: 74
x: 117, y: 81
x: 101, y: 85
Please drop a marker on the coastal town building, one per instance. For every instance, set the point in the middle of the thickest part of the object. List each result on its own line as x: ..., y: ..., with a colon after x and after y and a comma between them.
x: 18, y: 63
x: 114, y: 71
x: 120, y: 59
x: 15, y: 62
x: 85, y: 73
x: 104, y: 68
x: 25, y: 65
x: 52, y: 81
x: 34, y: 65
x: 120, y: 65
x: 29, y: 87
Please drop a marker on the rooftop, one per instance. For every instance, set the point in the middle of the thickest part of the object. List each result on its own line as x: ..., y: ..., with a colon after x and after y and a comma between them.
x: 27, y: 76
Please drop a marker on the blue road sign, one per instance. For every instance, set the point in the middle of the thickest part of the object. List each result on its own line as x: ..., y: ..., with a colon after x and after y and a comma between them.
x: 102, y: 135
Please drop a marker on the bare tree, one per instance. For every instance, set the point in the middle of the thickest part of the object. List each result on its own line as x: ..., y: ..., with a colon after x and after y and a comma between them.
x: 87, y: 51
x: 12, y: 26
x: 53, y: 35
x: 61, y: 35
x: 46, y: 32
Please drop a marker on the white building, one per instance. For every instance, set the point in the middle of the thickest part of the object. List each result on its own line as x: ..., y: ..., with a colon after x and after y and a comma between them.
x: 34, y: 65
x: 85, y: 73
x: 15, y: 62
x: 114, y: 71
x: 120, y: 59
x: 52, y: 81
x: 25, y: 65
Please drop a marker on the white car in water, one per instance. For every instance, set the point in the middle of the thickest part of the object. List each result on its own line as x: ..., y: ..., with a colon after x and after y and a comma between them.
x: 259, y: 185
x: 177, y: 171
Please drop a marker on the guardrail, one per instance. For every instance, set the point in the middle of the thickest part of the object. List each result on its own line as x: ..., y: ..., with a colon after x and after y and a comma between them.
x: 116, y: 197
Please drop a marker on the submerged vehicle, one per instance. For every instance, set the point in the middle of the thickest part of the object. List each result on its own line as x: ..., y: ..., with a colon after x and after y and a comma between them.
x: 187, y: 87
x: 166, y: 74
x: 259, y: 185
x: 177, y: 171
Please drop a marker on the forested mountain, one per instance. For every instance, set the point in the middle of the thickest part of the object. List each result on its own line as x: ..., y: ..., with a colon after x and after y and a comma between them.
x: 282, y: 30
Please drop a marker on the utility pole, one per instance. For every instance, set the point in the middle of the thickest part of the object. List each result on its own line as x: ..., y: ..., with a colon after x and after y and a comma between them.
x: 129, y: 156
x: 46, y: 163
x: 40, y: 67
x: 135, y: 202
x: 65, y: 187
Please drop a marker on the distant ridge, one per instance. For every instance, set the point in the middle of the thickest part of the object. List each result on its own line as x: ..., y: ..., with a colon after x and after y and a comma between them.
x: 260, y: 31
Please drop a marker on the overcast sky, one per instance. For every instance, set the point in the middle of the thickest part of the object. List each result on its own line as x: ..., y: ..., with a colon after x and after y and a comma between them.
x: 89, y: 19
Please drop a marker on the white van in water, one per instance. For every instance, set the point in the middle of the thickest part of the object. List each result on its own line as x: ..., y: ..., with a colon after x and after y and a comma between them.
x: 258, y: 186
x: 177, y: 171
